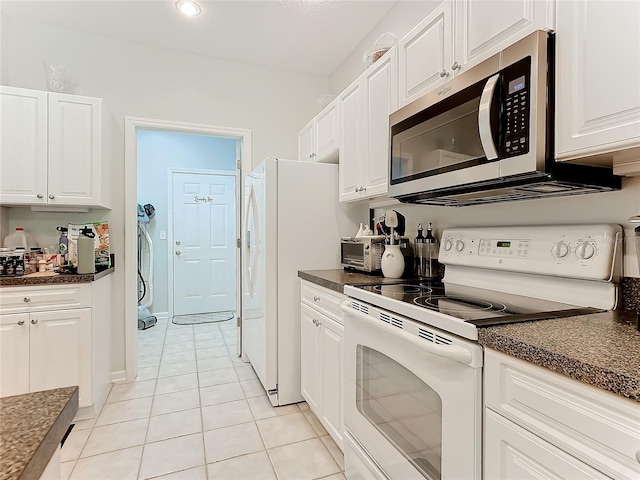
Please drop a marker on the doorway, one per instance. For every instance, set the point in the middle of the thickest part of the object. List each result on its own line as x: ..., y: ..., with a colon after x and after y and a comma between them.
x: 230, y: 179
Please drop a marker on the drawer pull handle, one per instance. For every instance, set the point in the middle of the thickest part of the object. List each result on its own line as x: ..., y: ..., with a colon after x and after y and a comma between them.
x: 34, y: 321
x: 27, y: 299
x: 316, y: 299
x: 20, y: 322
x: 51, y: 196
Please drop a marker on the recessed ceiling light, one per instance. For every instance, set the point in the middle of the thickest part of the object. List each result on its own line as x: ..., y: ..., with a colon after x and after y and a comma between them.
x: 189, y: 7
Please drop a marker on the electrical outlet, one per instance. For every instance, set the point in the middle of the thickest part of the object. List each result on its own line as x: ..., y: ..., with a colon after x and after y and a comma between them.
x: 163, y: 235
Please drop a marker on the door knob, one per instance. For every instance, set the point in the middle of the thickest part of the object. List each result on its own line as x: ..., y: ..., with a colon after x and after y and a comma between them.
x: 39, y: 195
x: 51, y: 196
x: 178, y: 252
x: 177, y: 242
x: 444, y: 73
x: 34, y: 321
x: 456, y: 66
x: 26, y: 299
x: 20, y: 322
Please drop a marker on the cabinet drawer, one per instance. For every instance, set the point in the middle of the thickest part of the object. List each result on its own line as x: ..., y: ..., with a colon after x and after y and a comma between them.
x: 324, y: 300
x: 595, y: 426
x: 50, y: 297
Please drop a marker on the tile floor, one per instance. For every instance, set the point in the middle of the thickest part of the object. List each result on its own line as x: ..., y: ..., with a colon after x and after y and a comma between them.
x: 196, y: 411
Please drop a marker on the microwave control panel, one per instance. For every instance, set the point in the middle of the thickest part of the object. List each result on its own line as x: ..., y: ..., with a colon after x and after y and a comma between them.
x: 516, y: 90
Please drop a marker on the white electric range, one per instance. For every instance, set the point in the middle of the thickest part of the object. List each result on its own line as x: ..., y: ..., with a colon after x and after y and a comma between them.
x: 413, y: 368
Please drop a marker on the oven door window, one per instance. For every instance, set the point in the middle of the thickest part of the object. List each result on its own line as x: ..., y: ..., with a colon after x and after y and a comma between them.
x: 442, y: 138
x: 402, y: 407
x: 353, y: 254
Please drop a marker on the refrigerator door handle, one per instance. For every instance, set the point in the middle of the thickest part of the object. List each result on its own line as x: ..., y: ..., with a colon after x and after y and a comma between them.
x: 251, y: 255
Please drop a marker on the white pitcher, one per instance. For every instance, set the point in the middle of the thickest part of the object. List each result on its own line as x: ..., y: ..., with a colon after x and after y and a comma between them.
x: 392, y: 263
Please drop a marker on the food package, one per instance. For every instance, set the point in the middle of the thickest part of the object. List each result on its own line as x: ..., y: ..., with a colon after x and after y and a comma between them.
x: 101, y: 243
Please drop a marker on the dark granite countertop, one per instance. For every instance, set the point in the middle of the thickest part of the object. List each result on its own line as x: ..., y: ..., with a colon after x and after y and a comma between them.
x: 601, y: 349
x: 54, y: 279
x: 31, y: 428
x: 338, y: 278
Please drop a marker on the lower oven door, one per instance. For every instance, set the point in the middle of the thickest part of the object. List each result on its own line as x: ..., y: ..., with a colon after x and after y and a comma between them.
x: 412, y: 406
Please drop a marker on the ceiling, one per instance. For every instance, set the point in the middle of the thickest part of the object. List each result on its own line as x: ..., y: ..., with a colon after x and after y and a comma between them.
x: 311, y: 36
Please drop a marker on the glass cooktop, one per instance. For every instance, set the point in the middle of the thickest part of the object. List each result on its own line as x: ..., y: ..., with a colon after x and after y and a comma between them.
x: 474, y: 305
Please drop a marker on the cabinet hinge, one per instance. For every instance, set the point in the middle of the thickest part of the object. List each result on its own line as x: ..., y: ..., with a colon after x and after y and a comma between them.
x: 238, y: 244
x: 238, y: 321
x: 238, y: 164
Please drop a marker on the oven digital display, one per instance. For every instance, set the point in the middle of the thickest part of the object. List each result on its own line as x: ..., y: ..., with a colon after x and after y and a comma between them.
x: 517, y: 84
x: 504, y: 244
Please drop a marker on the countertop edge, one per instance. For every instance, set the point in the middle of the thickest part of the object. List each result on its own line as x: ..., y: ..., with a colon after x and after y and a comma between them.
x: 556, y: 362
x: 55, y: 279
x: 336, y: 287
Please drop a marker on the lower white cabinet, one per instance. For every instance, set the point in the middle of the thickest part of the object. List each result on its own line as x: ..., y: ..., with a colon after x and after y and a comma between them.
x: 540, y: 424
x: 45, y: 346
x: 322, y: 356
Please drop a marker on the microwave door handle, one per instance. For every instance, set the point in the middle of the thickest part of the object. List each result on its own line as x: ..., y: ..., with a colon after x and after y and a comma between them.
x: 484, y: 118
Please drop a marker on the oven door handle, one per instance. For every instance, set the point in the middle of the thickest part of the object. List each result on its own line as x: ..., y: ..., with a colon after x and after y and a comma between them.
x: 452, y: 352
x: 484, y: 118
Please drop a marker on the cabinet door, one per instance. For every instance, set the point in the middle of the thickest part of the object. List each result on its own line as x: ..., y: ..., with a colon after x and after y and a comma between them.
x: 351, y: 152
x: 332, y: 368
x: 380, y: 99
x: 512, y: 452
x: 14, y: 354
x: 60, y: 346
x: 597, y: 77
x: 484, y: 28
x: 75, y: 166
x: 306, y: 142
x: 310, y: 357
x: 424, y: 55
x: 326, y: 123
x: 23, y: 146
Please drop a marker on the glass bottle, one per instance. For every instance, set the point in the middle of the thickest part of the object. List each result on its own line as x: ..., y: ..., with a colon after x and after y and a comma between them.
x: 431, y: 254
x: 420, y: 242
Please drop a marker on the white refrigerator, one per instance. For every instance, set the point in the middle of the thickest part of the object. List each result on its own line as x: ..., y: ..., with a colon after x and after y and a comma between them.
x: 292, y: 222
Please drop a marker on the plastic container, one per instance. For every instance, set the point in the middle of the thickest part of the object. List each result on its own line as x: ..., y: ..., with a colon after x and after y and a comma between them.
x: 20, y: 239
x: 86, y: 252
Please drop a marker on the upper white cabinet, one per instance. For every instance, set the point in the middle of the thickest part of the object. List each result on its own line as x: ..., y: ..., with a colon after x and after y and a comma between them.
x: 363, y: 110
x: 318, y: 140
x: 459, y: 34
x: 597, y: 83
x: 51, y: 149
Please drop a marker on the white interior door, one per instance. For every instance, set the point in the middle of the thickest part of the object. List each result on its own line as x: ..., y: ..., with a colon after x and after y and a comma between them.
x: 204, y: 233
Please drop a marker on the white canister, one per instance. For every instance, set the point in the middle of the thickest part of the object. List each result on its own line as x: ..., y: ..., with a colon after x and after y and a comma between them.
x: 392, y: 263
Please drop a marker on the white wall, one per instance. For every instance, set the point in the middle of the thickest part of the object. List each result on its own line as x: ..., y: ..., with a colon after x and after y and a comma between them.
x: 149, y: 82
x: 159, y: 151
x: 399, y: 21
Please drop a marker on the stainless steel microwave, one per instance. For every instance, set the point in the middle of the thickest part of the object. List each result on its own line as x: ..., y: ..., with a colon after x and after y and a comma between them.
x: 487, y: 135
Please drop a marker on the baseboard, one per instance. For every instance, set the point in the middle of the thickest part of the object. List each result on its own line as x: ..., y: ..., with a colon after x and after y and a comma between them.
x: 118, y: 376
x: 161, y: 315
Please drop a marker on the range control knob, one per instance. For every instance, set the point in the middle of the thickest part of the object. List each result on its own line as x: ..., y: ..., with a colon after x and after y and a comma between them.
x: 560, y: 250
x: 459, y: 245
x: 447, y: 244
x: 585, y: 250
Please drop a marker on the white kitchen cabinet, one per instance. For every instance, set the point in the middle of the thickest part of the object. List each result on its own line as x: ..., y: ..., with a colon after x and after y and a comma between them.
x: 555, y: 424
x: 597, y: 79
x: 322, y: 352
x: 459, y: 34
x: 318, y: 140
x: 14, y: 354
x: 58, y: 343
x: 51, y: 150
x: 364, y: 109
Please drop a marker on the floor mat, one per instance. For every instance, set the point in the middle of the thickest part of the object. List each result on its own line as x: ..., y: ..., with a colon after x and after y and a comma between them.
x: 196, y: 318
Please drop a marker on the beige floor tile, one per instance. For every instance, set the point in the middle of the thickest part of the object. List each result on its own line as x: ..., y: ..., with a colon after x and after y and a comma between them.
x: 176, y: 357
x: 213, y: 352
x: 65, y: 469
x: 118, y: 465
x: 176, y: 384
x: 306, y: 460
x: 174, y: 402
x: 261, y: 408
x: 198, y: 473
x: 214, y: 363
x: 252, y: 388
x: 147, y: 373
x: 226, y: 414
x: 176, y: 424
x: 335, y: 476
x: 125, y: 411
x: 73, y: 445
x: 85, y: 424
x: 235, y: 359
x: 334, y: 450
x: 315, y: 423
x: 215, y: 394
x: 255, y: 466
x: 303, y: 406
x: 228, y: 442
x: 177, y: 336
x: 246, y: 372
x: 117, y: 436
x: 209, y: 342
x: 173, y: 455
x: 285, y: 429
x: 177, y: 368
x: 179, y: 347
x: 150, y: 361
x: 129, y: 391
x: 148, y: 350
x: 217, y: 377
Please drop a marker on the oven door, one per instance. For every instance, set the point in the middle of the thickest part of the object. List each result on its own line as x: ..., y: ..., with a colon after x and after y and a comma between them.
x: 412, y: 407
x: 353, y: 255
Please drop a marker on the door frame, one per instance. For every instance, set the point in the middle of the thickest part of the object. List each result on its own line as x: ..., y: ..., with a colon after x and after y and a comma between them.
x: 238, y: 219
x: 131, y: 125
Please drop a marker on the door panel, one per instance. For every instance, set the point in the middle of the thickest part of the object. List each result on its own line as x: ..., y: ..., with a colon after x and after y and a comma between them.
x: 204, y: 243
x: 14, y: 354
